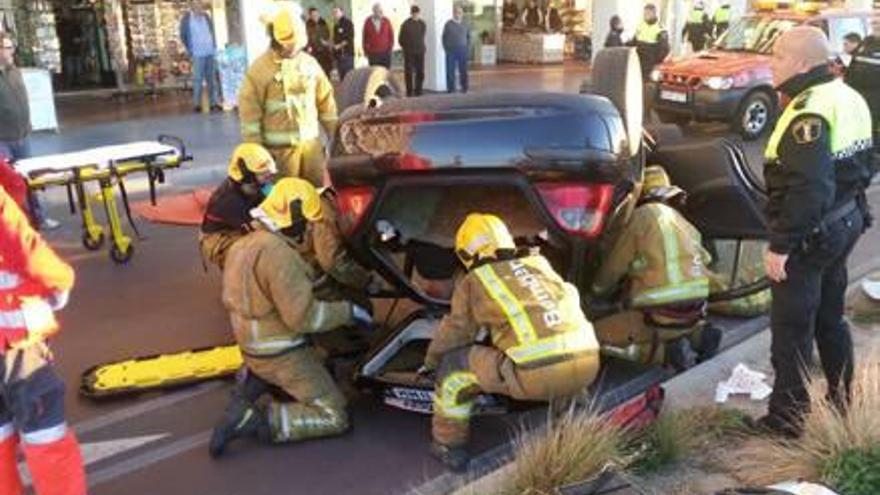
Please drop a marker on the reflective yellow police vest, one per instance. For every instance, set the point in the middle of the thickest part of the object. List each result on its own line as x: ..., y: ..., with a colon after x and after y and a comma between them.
x: 696, y: 16
x: 722, y: 15
x: 843, y: 108
x: 649, y: 33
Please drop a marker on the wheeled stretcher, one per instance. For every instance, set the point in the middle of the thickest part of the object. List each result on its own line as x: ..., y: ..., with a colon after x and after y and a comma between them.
x: 108, y: 166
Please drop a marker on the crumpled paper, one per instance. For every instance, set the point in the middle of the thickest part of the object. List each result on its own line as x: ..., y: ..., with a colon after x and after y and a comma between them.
x: 801, y: 488
x: 743, y: 381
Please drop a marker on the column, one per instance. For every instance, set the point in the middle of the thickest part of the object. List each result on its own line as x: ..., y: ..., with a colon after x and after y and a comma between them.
x: 435, y: 14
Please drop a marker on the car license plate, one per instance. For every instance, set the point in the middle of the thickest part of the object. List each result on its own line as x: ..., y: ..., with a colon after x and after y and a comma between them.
x: 675, y: 96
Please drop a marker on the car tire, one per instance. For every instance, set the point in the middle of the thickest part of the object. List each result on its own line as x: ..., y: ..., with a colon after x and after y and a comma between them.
x: 673, y: 118
x: 755, y: 115
x: 617, y: 75
x: 360, y: 86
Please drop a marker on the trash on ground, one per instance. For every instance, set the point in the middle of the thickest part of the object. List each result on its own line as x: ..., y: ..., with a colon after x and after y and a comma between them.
x: 802, y: 488
x: 743, y: 381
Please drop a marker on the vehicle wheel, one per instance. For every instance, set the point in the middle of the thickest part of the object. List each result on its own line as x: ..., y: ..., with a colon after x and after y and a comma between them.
x: 617, y: 75
x: 754, y: 116
x: 92, y: 244
x: 673, y: 118
x: 360, y: 85
x: 120, y: 257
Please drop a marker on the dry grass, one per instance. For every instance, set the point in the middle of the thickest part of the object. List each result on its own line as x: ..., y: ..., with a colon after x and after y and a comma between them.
x: 833, y: 445
x: 576, y: 446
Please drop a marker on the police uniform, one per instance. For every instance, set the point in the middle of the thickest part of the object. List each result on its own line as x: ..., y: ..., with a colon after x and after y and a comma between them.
x: 697, y: 28
x: 652, y: 45
x: 540, y: 345
x: 721, y: 20
x: 817, y: 167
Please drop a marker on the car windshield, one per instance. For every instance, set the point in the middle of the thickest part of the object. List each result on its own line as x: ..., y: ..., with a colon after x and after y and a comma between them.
x: 754, y: 34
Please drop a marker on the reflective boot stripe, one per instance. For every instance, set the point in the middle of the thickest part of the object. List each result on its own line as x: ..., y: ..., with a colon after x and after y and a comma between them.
x: 447, y: 403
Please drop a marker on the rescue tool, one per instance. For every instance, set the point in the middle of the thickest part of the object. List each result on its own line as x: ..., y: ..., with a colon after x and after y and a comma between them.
x: 108, y: 166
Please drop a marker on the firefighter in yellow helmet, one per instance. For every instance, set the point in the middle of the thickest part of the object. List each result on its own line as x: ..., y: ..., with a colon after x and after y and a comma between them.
x: 267, y: 289
x: 661, y: 263
x: 227, y: 216
x: 286, y: 98
x: 540, y: 344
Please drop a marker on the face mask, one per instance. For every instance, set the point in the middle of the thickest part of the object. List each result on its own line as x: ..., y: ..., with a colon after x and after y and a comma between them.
x: 266, y: 189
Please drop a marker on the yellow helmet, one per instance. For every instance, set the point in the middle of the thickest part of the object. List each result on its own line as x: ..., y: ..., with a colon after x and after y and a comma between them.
x: 657, y: 185
x: 250, y: 158
x: 481, y: 236
x: 292, y: 200
x: 288, y: 29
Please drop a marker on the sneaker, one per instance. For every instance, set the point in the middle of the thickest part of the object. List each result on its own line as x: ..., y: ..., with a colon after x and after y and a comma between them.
x: 238, y: 422
x: 49, y: 224
x: 455, y: 458
x: 680, y: 355
x: 771, y: 424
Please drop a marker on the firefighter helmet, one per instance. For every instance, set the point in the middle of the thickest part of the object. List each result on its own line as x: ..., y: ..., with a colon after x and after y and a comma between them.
x: 658, y: 187
x: 481, y: 236
x: 250, y: 159
x: 291, y: 201
x: 288, y: 29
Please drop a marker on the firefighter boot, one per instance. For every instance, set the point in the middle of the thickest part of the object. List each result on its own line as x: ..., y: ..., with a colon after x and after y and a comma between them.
x: 707, y: 341
x: 56, y: 467
x: 248, y: 386
x: 241, y: 419
x: 10, y: 483
x: 455, y: 458
x: 679, y: 354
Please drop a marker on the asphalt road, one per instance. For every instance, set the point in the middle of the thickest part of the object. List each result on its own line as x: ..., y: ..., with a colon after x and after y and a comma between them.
x: 164, y: 301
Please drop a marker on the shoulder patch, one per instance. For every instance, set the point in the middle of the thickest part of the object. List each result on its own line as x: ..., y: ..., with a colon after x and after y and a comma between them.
x: 807, y: 130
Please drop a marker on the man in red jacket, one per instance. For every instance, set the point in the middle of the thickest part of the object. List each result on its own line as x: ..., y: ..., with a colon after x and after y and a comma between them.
x: 378, y: 38
x: 34, y: 283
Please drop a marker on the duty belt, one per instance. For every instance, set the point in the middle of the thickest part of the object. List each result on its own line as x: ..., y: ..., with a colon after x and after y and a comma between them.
x: 836, y: 215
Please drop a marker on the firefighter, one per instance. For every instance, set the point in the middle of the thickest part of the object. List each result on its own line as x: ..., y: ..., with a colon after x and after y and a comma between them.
x: 651, y: 41
x: 660, y: 260
x: 721, y: 19
x: 285, y: 99
x: 34, y: 283
x: 227, y: 217
x: 697, y: 29
x: 817, y: 168
x: 540, y: 345
x: 267, y: 289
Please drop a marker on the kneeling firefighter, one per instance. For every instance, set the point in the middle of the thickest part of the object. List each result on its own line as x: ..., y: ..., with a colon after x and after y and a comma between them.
x: 34, y: 283
x: 267, y: 289
x: 541, y: 345
x: 660, y: 258
x: 227, y: 217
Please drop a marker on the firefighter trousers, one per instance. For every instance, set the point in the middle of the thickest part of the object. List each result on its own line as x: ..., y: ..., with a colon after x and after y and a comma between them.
x: 808, y: 307
x: 32, y: 414
x: 319, y: 407
x: 468, y: 371
x: 306, y: 160
x: 629, y: 327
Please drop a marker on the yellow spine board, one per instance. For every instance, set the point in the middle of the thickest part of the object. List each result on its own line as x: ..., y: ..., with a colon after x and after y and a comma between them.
x: 161, y: 371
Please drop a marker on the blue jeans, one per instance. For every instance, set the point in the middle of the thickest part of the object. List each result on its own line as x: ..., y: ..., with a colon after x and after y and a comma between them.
x: 456, y: 60
x: 203, y: 70
x: 19, y: 150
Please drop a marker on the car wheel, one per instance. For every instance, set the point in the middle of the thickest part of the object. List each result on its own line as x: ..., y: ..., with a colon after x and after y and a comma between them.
x: 361, y: 85
x: 673, y: 118
x: 754, y: 116
x: 617, y: 75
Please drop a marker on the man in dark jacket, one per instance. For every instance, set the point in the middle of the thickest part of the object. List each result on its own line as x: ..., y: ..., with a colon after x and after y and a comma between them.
x: 412, y: 41
x: 698, y: 27
x: 319, y: 40
x: 197, y: 35
x: 614, y: 38
x: 456, y: 42
x: 15, y: 119
x: 343, y: 42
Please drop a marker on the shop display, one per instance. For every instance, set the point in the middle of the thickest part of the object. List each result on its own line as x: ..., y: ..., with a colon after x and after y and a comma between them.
x: 155, y: 41
x: 531, y: 48
x: 232, y: 66
x: 143, y: 24
x: 116, y: 36
x: 37, y: 38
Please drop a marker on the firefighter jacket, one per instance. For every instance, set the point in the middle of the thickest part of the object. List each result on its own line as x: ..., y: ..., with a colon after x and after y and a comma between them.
x: 328, y: 251
x: 30, y: 274
x: 283, y: 101
x: 818, y: 158
x: 227, y: 218
x: 531, y: 314
x: 267, y: 290
x: 660, y: 255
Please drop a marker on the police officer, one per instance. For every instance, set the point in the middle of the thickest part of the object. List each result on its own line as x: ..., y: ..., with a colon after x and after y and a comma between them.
x: 267, y: 289
x: 697, y: 28
x: 227, y: 216
x: 651, y: 41
x: 817, y: 169
x: 721, y: 19
x: 286, y: 98
x: 660, y: 260
x: 540, y: 345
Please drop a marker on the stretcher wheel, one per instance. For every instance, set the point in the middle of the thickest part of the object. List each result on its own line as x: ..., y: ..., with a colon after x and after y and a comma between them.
x: 92, y: 244
x: 120, y: 257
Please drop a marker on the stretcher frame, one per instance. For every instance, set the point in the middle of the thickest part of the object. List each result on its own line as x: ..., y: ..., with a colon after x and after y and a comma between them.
x: 113, y: 173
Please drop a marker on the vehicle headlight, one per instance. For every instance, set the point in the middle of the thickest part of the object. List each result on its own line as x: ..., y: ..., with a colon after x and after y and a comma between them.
x: 656, y: 75
x: 719, y: 83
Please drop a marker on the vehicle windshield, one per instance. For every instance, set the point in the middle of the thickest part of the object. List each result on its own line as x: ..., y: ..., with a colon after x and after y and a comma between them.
x: 754, y: 34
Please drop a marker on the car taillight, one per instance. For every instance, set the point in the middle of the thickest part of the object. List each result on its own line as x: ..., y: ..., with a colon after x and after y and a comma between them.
x: 578, y: 209
x: 353, y: 203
